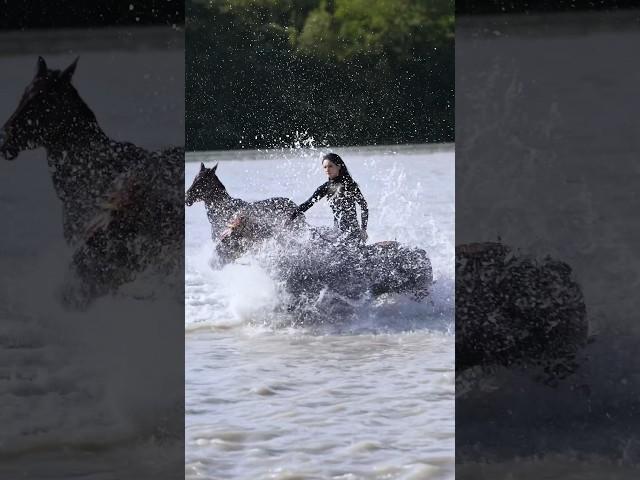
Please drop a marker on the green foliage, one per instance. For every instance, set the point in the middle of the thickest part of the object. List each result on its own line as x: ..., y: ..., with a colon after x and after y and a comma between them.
x: 318, y: 36
x: 394, y: 28
x: 346, y: 71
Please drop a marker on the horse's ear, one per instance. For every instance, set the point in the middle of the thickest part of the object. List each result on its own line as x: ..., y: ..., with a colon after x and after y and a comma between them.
x: 70, y: 70
x: 214, y: 167
x: 202, y: 167
x: 41, y: 69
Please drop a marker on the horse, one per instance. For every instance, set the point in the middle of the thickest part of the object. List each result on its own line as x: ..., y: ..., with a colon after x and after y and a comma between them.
x: 106, y: 187
x: 223, y: 210
x: 515, y: 310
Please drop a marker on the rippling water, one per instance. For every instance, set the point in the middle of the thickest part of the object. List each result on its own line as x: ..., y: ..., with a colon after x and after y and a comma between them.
x: 369, y: 397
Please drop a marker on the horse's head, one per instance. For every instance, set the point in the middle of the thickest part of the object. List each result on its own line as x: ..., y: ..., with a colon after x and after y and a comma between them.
x: 48, y: 105
x: 205, y: 187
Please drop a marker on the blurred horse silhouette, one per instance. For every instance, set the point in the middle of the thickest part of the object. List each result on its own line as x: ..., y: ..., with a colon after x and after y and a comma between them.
x: 121, y: 205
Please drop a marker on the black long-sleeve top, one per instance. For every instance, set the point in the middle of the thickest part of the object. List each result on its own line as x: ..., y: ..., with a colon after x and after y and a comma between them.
x: 342, y: 194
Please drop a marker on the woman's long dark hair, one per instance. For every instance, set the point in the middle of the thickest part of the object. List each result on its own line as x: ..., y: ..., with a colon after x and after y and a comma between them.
x: 344, y: 174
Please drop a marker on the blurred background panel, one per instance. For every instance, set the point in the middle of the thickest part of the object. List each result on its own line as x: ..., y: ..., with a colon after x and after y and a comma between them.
x: 546, y: 165
x: 97, y: 391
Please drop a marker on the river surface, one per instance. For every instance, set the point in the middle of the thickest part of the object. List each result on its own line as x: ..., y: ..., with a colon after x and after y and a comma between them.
x: 371, y: 396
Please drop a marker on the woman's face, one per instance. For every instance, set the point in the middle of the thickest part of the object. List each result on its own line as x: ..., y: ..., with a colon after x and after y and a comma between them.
x: 331, y: 169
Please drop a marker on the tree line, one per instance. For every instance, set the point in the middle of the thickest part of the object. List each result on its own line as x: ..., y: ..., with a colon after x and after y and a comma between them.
x: 263, y: 73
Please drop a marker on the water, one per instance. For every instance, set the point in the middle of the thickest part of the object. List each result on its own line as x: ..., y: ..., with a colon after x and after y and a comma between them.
x: 371, y: 397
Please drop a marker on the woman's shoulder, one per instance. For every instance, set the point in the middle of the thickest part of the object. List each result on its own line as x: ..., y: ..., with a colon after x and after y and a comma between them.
x: 322, y: 188
x: 349, y: 182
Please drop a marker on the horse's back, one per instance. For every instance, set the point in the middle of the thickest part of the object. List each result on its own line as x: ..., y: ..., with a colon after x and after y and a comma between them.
x: 275, y: 205
x: 276, y: 209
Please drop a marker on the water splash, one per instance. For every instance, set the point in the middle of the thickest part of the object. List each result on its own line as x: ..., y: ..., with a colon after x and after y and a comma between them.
x: 395, y: 186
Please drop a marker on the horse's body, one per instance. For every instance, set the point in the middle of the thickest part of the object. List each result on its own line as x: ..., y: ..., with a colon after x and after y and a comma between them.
x: 514, y: 310
x: 95, y: 176
x: 254, y: 223
x: 83, y: 175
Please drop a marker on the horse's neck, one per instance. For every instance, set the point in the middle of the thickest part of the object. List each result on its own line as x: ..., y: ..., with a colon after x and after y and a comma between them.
x: 224, y: 204
x: 84, y: 164
x: 82, y: 144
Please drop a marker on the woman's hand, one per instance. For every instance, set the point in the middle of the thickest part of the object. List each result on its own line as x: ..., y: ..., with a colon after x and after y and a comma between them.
x: 364, y: 236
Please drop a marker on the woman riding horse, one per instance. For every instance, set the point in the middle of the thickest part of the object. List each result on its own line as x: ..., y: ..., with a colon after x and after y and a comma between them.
x: 343, y: 193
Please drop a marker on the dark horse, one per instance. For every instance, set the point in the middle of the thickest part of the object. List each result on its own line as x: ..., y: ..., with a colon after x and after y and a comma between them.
x: 224, y: 210
x: 512, y: 309
x: 121, y: 205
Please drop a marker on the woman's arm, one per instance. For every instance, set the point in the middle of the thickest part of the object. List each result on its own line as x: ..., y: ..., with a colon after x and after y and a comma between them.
x: 364, y: 207
x: 320, y: 192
